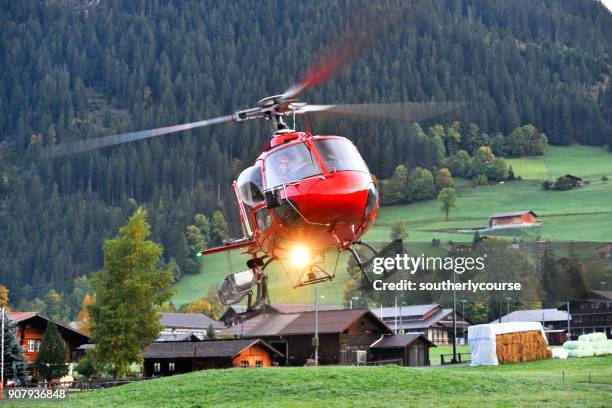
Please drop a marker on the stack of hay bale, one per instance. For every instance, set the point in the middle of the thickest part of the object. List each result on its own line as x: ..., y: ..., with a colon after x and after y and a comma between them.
x: 491, y: 344
x: 588, y: 345
x: 521, y: 346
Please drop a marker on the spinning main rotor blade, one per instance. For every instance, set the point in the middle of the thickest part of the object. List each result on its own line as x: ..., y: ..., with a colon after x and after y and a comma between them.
x: 365, y: 27
x: 411, y: 111
x: 100, y: 142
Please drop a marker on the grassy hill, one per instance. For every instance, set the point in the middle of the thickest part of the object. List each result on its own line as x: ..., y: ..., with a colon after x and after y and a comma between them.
x: 538, y: 383
x: 583, y: 214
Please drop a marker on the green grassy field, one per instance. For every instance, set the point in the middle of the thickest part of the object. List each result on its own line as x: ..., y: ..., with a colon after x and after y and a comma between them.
x: 583, y: 214
x: 538, y: 383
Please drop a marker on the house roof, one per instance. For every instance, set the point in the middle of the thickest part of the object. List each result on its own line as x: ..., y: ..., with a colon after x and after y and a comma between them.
x: 573, y: 177
x: 399, y: 341
x: 404, y: 311
x: 22, y: 316
x: 512, y: 214
x: 431, y: 320
x: 19, y: 316
x: 283, y: 324
x: 536, y: 315
x: 203, y: 349
x: 189, y: 321
x: 418, y: 317
x: 603, y: 294
x: 607, y: 246
x: 177, y: 337
x: 297, y: 308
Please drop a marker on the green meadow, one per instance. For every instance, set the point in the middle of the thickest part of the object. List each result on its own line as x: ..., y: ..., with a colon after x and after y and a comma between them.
x: 582, y: 214
x: 549, y: 383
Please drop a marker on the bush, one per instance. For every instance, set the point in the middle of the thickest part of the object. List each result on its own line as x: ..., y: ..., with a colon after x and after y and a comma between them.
x: 481, y: 180
x: 563, y: 183
x: 87, y: 368
x: 547, y: 184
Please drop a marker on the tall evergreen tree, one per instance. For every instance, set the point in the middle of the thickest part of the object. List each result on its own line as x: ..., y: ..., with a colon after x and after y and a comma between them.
x: 14, y: 361
x: 51, y: 361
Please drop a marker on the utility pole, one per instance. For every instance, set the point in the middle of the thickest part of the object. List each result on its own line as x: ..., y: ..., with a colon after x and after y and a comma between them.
x: 2, y: 354
x: 463, y: 318
x: 508, y: 307
x: 454, y: 318
x: 316, y: 338
x: 395, y: 316
x: 569, y: 333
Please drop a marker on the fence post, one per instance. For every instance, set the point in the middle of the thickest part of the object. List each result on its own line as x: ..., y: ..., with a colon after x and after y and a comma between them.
x: 563, y: 375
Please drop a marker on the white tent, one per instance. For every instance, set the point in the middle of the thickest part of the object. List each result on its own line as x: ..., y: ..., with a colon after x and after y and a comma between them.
x: 481, y: 339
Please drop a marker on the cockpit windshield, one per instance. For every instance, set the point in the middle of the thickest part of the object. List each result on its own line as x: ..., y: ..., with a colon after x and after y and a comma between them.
x: 292, y: 163
x: 340, y: 154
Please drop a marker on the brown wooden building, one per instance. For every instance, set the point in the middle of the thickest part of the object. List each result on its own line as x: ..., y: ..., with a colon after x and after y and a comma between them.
x: 178, y: 357
x: 592, y: 313
x: 432, y: 320
x: 342, y: 333
x: 514, y: 219
x: 604, y: 251
x: 412, y: 349
x: 30, y: 329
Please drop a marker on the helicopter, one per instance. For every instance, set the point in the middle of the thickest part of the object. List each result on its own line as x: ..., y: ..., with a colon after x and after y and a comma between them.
x: 306, y: 196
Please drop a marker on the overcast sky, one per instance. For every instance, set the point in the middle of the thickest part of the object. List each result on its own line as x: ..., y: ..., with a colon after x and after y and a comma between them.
x: 607, y: 3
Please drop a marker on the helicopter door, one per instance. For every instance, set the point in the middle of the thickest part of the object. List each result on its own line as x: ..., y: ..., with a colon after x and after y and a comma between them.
x: 247, y: 231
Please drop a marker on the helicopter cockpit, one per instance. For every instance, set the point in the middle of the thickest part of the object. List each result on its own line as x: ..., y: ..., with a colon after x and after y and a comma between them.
x: 291, y: 163
x: 297, y: 162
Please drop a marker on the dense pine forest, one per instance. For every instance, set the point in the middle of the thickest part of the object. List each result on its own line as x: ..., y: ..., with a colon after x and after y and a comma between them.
x: 78, y: 69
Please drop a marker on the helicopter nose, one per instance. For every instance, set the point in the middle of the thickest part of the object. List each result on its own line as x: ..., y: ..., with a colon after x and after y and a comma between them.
x: 341, y: 197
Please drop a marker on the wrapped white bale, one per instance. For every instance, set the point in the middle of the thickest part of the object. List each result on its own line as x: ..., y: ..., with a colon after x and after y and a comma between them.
x: 570, y: 345
x: 560, y: 353
x: 599, y: 337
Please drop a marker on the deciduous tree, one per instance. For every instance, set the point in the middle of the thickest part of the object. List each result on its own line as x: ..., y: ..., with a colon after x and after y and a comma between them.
x: 124, y: 317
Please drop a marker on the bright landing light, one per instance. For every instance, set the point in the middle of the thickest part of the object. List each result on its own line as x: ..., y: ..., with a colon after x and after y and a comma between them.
x: 300, y: 256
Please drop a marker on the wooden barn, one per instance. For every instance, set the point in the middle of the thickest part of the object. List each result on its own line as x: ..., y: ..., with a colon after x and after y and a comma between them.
x: 342, y: 334
x: 411, y: 348
x: 178, y: 357
x: 30, y: 329
x: 514, y: 219
x: 604, y: 251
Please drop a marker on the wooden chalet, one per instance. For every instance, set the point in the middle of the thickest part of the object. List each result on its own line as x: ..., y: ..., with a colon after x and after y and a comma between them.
x: 604, y: 251
x: 592, y: 312
x: 30, y: 329
x: 188, y: 323
x: 514, y: 219
x: 433, y: 321
x: 412, y: 349
x: 342, y: 334
x: 575, y: 180
x: 178, y: 357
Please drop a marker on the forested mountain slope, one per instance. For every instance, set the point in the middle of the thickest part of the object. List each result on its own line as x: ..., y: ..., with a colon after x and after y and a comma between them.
x: 78, y: 69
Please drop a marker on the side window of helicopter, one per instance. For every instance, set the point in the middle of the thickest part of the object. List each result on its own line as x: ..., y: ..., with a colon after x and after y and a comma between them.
x: 291, y: 163
x: 263, y: 218
x: 250, y: 185
x: 340, y: 154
